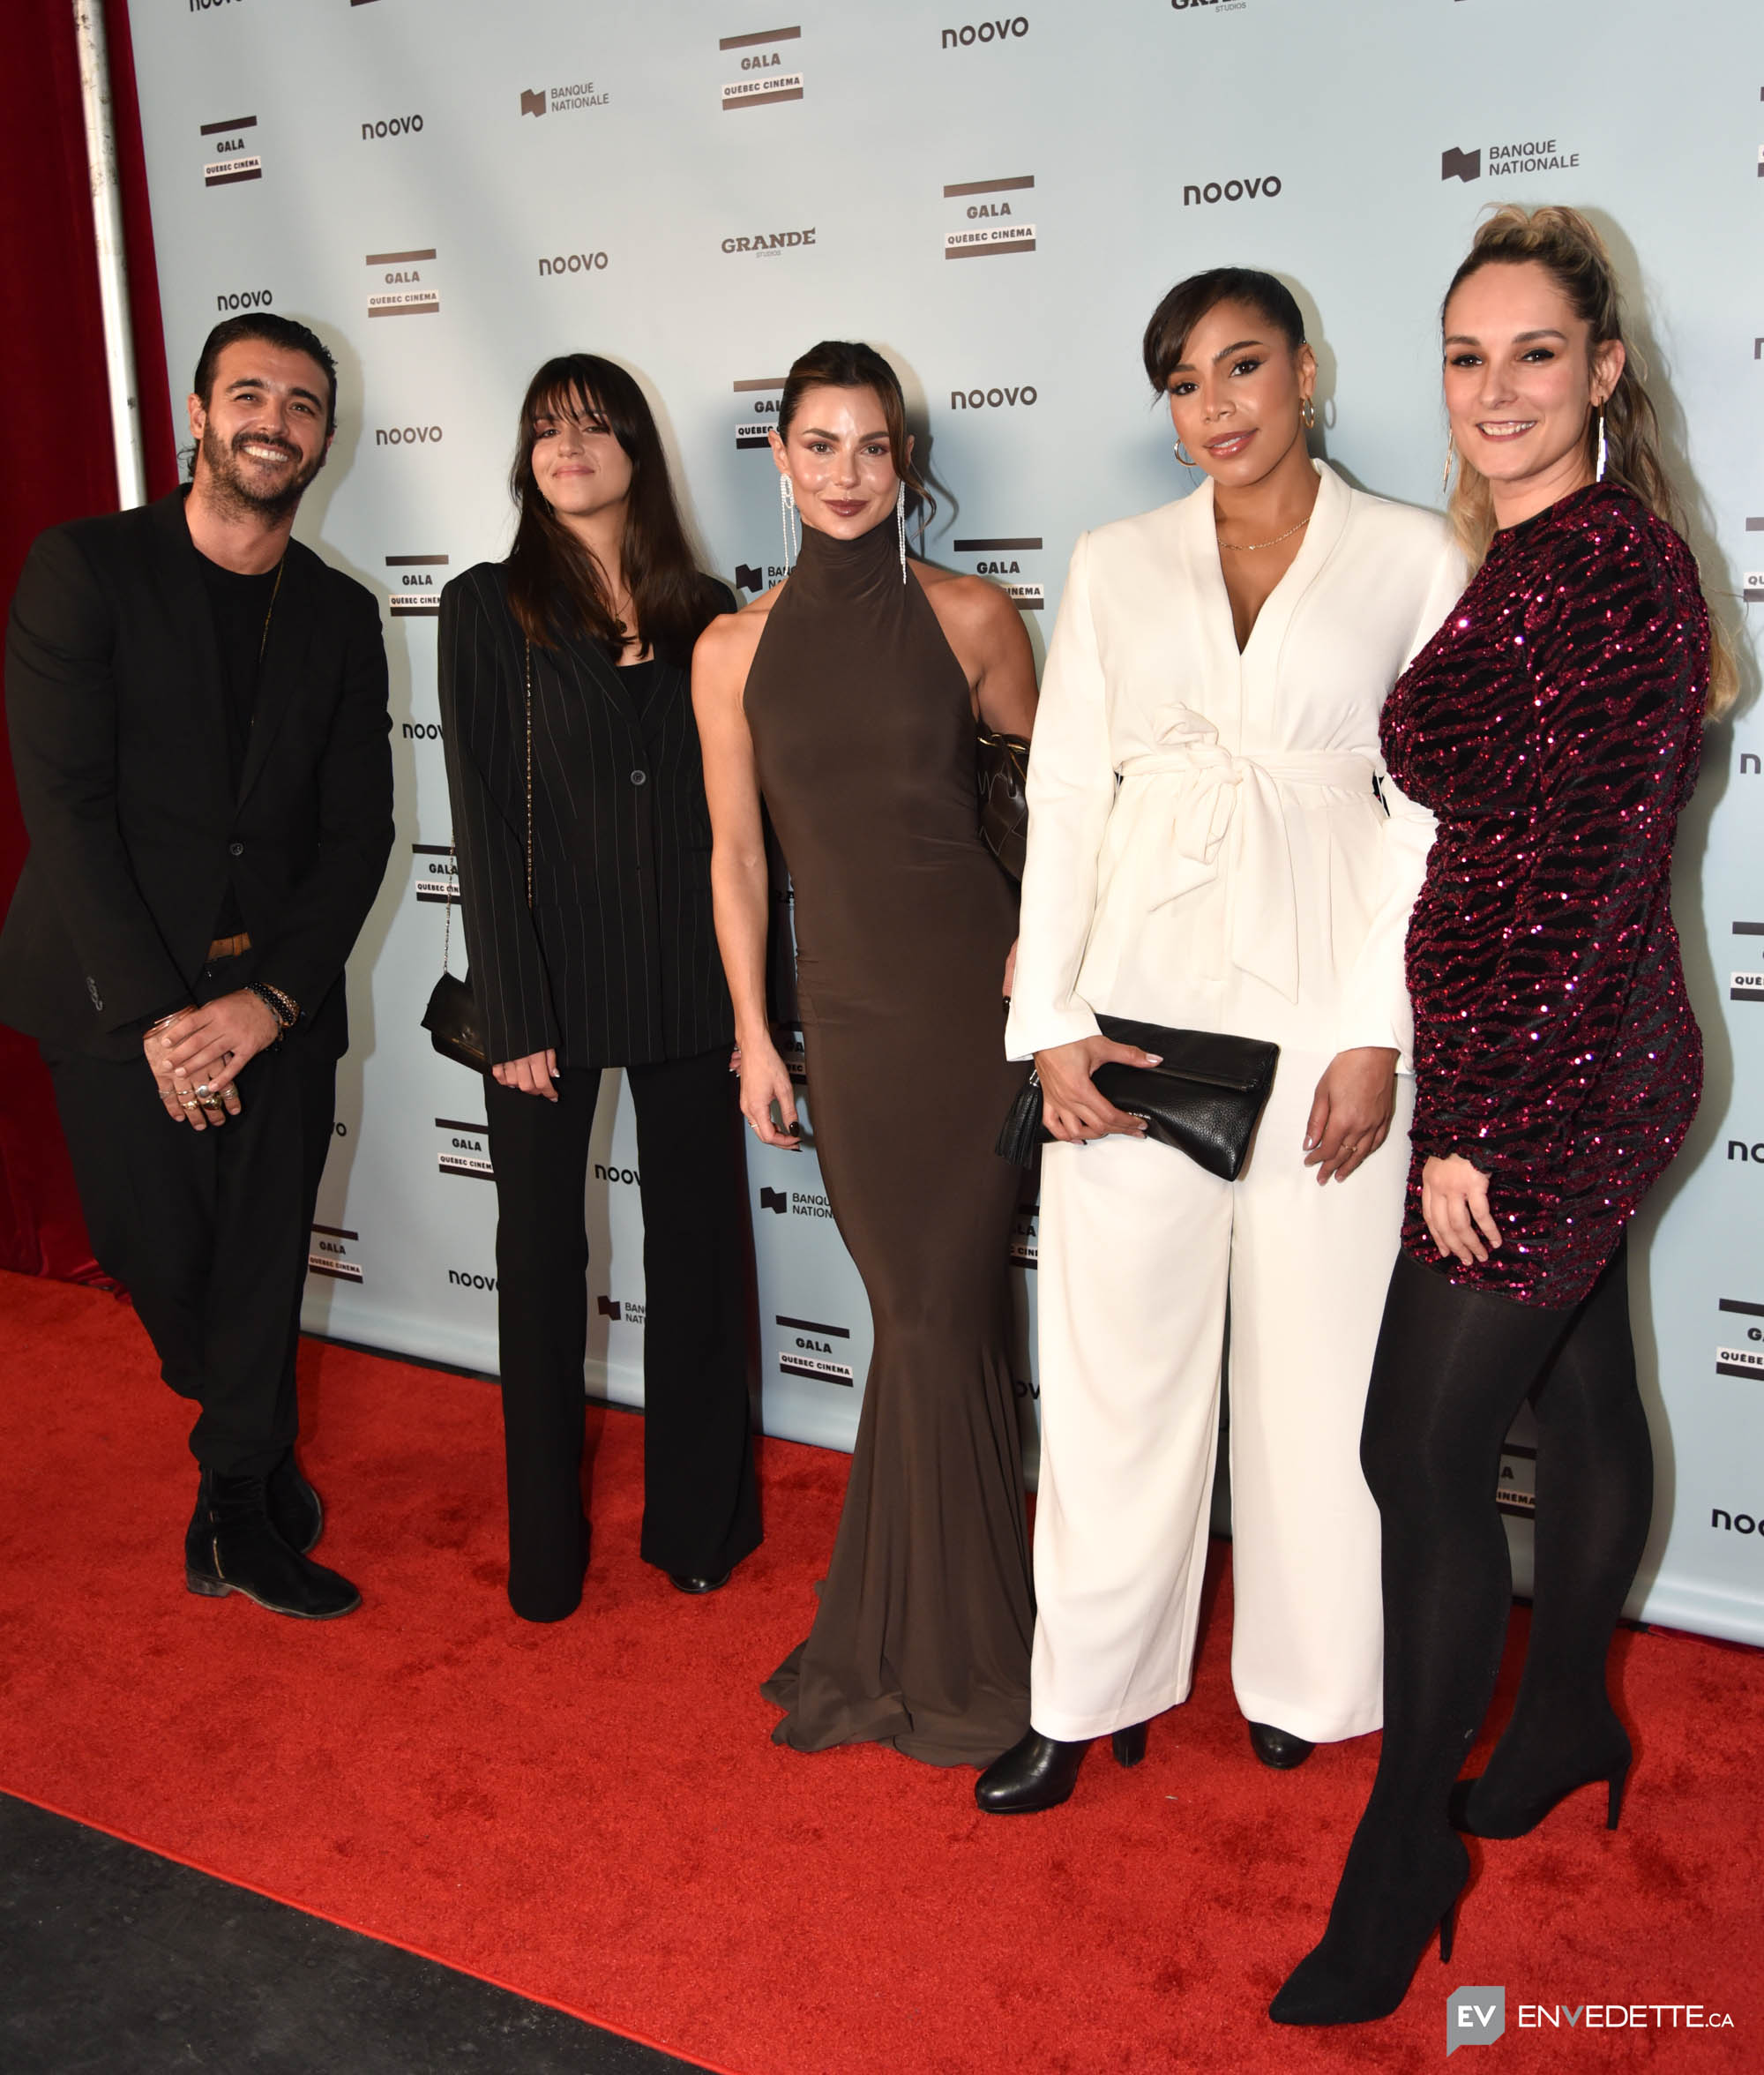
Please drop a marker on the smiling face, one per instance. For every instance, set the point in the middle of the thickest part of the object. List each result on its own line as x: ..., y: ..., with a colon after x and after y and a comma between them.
x: 1236, y: 394
x: 1522, y: 380
x: 580, y: 465
x: 837, y: 455
x: 263, y: 433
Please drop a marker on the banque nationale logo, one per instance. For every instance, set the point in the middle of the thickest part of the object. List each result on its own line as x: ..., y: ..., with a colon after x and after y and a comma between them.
x: 1747, y: 985
x: 999, y: 557
x: 752, y: 425
x: 1535, y: 155
x: 766, y: 73
x: 1747, y: 1361
x: 465, y: 1148
x: 234, y: 159
x: 991, y: 222
x: 328, y: 1254
x: 814, y: 1351
x: 415, y: 593
x: 437, y: 873
x: 564, y: 100
x: 403, y: 291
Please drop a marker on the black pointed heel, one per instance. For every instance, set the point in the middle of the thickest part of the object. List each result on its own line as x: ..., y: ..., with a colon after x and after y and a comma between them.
x: 1379, y: 1928
x: 1448, y: 1928
x: 1129, y: 1745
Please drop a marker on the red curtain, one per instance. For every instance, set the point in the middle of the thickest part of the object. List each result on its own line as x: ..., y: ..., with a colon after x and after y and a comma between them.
x: 56, y: 463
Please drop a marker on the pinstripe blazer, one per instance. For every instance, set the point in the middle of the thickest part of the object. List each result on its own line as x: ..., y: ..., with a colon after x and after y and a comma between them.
x: 616, y: 964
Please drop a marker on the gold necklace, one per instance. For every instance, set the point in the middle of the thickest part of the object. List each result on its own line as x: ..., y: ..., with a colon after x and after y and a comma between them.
x: 1255, y: 547
x: 275, y: 592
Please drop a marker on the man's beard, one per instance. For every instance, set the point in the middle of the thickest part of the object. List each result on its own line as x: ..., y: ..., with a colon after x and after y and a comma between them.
x: 229, y: 487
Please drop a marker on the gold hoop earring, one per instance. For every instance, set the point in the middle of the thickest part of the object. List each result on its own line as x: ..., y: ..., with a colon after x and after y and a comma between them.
x: 1187, y: 460
x: 1307, y: 415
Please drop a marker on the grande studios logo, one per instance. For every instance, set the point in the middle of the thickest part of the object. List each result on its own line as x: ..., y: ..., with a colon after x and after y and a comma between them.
x: 233, y: 152
x: 999, y: 557
x: 990, y: 217
x: 766, y: 69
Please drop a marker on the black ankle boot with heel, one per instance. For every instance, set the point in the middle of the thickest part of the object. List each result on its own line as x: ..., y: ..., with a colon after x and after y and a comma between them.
x: 233, y: 1545
x: 1387, y: 1910
x: 1510, y: 1800
x: 1040, y: 1771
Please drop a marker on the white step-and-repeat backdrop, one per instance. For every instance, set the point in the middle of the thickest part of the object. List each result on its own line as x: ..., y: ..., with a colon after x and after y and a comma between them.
x: 451, y: 190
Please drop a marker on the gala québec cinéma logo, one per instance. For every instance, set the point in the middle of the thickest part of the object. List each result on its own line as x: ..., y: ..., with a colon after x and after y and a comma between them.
x: 415, y: 592
x: 404, y: 289
x: 233, y: 148
x: 767, y: 70
x: 813, y: 1350
x: 999, y: 559
x: 990, y: 217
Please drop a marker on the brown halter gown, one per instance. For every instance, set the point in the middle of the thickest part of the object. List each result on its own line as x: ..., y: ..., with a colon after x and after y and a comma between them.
x: 863, y: 734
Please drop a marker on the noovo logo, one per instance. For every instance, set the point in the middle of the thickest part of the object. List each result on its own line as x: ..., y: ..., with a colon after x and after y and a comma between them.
x: 406, y: 435
x: 990, y: 399
x: 1231, y: 190
x: 245, y: 299
x: 393, y: 126
x: 575, y: 263
x: 987, y: 31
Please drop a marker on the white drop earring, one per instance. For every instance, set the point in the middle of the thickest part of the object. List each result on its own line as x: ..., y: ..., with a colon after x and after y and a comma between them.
x: 900, y: 526
x: 1599, y: 477
x: 786, y: 504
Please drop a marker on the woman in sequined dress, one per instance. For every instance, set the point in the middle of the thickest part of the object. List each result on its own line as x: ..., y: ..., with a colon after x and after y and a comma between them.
x: 1553, y: 726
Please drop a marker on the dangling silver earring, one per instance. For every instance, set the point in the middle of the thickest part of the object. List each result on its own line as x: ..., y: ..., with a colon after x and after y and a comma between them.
x: 1446, y: 473
x: 787, y: 500
x: 1600, y: 476
x: 900, y: 526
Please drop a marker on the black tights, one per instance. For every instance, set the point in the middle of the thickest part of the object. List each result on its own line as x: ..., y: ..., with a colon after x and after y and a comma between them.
x: 1451, y: 1369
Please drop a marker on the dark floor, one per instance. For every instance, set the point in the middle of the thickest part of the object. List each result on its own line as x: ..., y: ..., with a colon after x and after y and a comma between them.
x: 116, y: 1962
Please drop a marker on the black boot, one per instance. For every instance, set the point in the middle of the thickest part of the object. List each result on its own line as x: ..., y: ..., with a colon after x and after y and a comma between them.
x: 1040, y: 1771
x: 233, y: 1547
x: 1278, y: 1747
x: 1512, y: 1798
x: 296, y: 1510
x: 1395, y: 1892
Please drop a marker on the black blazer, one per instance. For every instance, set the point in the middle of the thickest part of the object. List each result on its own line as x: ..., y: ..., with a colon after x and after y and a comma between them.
x: 116, y: 703
x: 617, y: 963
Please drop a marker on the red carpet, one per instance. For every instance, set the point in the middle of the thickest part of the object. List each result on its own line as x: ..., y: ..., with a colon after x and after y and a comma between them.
x: 592, y: 1814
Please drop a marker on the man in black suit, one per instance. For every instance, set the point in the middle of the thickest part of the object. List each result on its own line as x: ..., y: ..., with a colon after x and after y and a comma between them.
x: 198, y: 706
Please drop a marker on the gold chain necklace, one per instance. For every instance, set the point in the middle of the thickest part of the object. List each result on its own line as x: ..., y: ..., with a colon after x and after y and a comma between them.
x: 1255, y: 547
x: 275, y: 592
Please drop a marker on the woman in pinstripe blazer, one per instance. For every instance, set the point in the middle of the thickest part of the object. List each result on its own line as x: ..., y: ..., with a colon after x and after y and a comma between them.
x: 598, y: 950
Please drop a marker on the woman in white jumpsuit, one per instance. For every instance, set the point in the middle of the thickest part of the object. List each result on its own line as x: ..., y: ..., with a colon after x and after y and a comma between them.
x: 1213, y: 846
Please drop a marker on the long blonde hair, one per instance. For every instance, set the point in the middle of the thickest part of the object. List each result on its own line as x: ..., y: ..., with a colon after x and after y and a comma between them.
x: 1573, y: 253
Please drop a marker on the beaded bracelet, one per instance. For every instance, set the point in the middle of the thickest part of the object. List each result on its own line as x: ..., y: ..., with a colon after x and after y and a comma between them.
x: 283, y: 1007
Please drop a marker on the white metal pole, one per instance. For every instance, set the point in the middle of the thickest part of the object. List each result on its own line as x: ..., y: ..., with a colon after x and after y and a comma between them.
x: 112, y: 264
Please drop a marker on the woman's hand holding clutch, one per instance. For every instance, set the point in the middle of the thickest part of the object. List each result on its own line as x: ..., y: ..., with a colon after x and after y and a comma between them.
x: 1073, y: 1108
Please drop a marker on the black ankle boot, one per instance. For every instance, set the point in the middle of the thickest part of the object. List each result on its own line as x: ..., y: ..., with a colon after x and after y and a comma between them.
x: 1508, y: 1801
x: 1278, y: 1747
x: 233, y: 1547
x: 1040, y: 1771
x: 1385, y: 1911
x: 296, y: 1510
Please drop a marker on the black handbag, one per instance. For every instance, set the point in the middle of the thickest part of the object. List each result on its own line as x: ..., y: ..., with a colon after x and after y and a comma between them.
x: 455, y: 1029
x: 1001, y: 770
x: 1204, y: 1099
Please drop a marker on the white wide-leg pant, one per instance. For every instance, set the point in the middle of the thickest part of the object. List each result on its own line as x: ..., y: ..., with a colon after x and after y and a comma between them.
x: 1138, y: 1248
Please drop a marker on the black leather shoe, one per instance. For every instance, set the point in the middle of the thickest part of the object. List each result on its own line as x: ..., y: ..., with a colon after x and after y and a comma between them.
x: 1278, y: 1747
x: 237, y: 1550
x: 296, y: 1510
x: 1040, y: 1771
x: 686, y: 1581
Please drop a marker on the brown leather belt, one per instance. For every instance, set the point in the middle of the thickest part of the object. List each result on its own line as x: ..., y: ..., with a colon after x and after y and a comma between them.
x: 230, y: 947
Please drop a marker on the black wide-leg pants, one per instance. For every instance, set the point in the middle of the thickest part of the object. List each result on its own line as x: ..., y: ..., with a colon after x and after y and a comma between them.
x: 208, y: 1231
x: 701, y: 1506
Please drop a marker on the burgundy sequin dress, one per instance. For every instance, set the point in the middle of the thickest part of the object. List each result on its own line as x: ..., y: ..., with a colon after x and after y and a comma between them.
x: 1554, y: 726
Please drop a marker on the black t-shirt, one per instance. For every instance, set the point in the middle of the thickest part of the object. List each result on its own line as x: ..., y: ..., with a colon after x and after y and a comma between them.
x: 240, y: 606
x: 639, y: 679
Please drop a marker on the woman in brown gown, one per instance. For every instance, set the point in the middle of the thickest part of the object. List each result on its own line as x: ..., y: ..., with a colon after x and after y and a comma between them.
x: 846, y: 697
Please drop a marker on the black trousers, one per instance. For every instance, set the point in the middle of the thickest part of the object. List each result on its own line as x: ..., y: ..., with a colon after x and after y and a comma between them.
x: 700, y: 1504
x: 208, y: 1232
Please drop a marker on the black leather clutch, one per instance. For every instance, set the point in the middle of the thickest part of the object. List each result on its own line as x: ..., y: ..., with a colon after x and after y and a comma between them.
x: 453, y: 1024
x: 1204, y: 1100
x: 1001, y: 771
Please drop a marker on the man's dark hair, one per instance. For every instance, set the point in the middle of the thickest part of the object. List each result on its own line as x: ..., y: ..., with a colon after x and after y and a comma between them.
x: 274, y: 331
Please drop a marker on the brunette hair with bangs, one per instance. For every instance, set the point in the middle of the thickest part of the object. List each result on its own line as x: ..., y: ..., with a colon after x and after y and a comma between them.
x: 847, y: 364
x: 555, y: 585
x: 1189, y: 301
